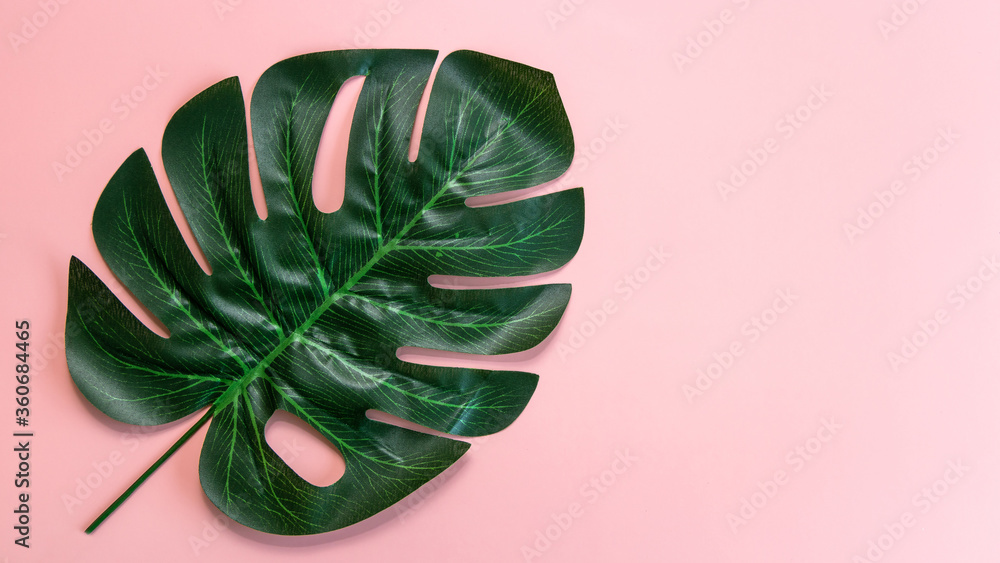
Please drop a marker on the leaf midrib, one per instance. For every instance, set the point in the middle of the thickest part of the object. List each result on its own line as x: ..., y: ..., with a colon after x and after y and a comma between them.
x: 238, y: 387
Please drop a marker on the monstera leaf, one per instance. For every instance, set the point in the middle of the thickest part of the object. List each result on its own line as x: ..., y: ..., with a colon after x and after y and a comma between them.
x: 303, y: 311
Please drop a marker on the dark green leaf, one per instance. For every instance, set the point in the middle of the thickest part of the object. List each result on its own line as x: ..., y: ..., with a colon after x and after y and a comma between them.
x: 304, y: 311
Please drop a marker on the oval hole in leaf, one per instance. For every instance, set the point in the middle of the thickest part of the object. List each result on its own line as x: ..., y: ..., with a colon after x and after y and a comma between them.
x: 330, y: 174
x: 304, y: 449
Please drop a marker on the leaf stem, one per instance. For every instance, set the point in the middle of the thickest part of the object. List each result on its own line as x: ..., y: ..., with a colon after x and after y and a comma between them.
x: 142, y: 478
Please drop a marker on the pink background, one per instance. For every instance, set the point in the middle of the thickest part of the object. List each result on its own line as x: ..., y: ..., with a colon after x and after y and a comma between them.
x: 659, y: 133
